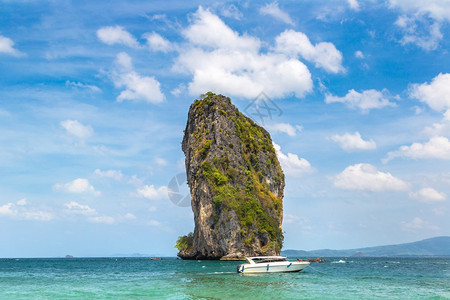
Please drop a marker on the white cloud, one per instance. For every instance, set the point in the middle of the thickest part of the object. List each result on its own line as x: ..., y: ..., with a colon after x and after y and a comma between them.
x: 428, y: 195
x: 77, y: 186
x: 7, y: 47
x: 37, y: 215
x: 93, y: 88
x: 365, y: 101
x: 447, y: 116
x: 285, y: 128
x: 116, y: 35
x: 231, y: 11
x: 22, y: 202
x: 427, y: 41
x: 76, y: 208
x: 367, y: 177
x: 440, y: 129
x: 209, y: 30
x: 436, y: 9
x: 114, y: 174
x: 439, y: 211
x: 351, y: 142
x: 436, y: 94
x: 223, y: 61
x: 103, y: 219
x: 77, y: 129
x: 157, y: 42
x: 152, y: 193
x: 161, y: 161
x: 7, y: 210
x: 179, y: 90
x: 129, y: 216
x: 292, y: 164
x: 417, y: 224
x: 323, y: 55
x: 272, y: 9
x: 294, y: 219
x: 353, y: 4
x: 421, y: 21
x: 359, y: 54
x: 23, y: 213
x: 154, y: 223
x: 437, y: 147
x: 137, y: 87
x: 136, y: 181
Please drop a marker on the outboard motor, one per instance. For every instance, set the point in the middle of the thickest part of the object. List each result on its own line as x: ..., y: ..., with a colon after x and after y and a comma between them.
x: 239, y: 268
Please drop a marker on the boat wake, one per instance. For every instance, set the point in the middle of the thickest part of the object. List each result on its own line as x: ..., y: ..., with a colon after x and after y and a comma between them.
x: 339, y: 262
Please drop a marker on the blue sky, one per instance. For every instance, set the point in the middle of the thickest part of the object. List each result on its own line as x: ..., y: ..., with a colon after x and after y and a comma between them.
x: 94, y: 100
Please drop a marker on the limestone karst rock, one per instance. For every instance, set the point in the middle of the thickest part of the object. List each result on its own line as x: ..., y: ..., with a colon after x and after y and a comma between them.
x: 236, y: 184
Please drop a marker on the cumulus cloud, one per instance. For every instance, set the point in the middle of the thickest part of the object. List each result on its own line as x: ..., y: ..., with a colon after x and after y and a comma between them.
x: 137, y: 87
x: 114, y: 174
x: 292, y: 164
x: 421, y: 21
x: 7, y: 47
x: 440, y: 129
x: 152, y: 193
x: 8, y: 210
x: 428, y: 40
x: 77, y: 129
x: 428, y: 195
x: 365, y: 101
x: 351, y: 142
x: 209, y: 30
x: 111, y: 35
x: 19, y: 211
x: 359, y: 54
x: 77, y: 208
x: 272, y: 9
x: 435, y: 94
x: 157, y: 42
x: 77, y: 186
x: 323, y: 55
x: 437, y: 147
x: 222, y: 60
x: 285, y: 128
x: 366, y: 177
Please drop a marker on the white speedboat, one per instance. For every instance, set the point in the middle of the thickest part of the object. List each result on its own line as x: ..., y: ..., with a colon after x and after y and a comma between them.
x: 265, y: 264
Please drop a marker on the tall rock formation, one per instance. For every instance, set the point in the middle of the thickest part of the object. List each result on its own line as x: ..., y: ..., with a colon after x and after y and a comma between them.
x: 236, y: 184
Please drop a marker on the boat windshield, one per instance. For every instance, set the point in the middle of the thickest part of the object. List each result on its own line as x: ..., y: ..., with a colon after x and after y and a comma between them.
x: 268, y: 259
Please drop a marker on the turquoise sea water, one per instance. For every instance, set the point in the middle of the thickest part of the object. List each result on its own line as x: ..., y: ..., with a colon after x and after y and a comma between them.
x: 120, y: 278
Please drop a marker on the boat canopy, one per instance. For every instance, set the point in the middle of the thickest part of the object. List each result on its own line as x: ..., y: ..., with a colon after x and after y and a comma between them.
x: 265, y: 259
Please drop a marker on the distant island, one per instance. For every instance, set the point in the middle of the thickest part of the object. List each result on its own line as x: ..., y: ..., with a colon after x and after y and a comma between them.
x: 437, y: 246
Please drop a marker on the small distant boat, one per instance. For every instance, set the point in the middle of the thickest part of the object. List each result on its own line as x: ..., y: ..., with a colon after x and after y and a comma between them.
x: 269, y: 264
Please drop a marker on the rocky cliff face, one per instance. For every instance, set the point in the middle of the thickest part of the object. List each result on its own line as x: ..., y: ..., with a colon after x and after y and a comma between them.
x: 236, y: 184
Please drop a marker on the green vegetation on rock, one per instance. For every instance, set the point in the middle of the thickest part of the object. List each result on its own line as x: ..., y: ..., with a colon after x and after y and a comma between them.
x: 185, y: 242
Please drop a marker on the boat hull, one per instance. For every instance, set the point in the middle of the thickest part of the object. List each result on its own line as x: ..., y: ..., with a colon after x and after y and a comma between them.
x: 275, y: 267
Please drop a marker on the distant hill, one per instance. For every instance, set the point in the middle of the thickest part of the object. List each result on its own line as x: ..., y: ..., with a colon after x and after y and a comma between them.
x: 437, y: 246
